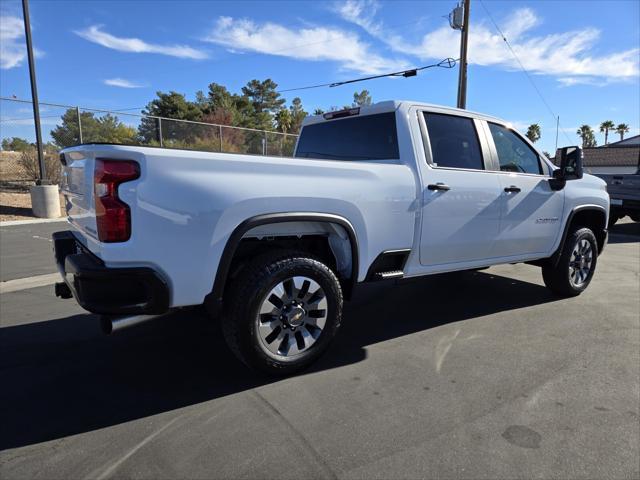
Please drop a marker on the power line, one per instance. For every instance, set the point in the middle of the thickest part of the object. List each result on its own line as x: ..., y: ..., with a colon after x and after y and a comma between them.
x: 88, y: 109
x: 412, y: 72
x: 555, y: 117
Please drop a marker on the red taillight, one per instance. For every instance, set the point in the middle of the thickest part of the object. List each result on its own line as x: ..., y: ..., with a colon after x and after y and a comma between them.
x: 113, y: 217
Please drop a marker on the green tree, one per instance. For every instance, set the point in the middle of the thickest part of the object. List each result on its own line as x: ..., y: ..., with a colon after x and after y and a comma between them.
x: 284, y: 120
x: 318, y: 111
x: 219, y: 97
x: 201, y: 100
x: 297, y: 115
x: 621, y: 129
x: 170, y: 105
x: 15, y: 144
x: 240, y: 107
x: 361, y: 99
x: 605, y: 127
x: 106, y: 128
x: 263, y: 95
x: 533, y: 132
x: 588, y: 137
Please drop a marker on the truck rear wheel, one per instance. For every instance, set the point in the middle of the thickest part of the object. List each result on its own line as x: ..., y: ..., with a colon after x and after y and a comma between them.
x: 282, y: 312
x: 576, y: 265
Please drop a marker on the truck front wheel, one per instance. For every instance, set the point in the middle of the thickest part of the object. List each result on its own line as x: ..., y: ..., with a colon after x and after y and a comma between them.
x: 282, y: 312
x: 573, y: 272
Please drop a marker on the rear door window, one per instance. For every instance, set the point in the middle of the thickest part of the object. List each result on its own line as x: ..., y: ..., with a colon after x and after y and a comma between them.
x: 513, y: 153
x: 370, y: 137
x: 454, y: 141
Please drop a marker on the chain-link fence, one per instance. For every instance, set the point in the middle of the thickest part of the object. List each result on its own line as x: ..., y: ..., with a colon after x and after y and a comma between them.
x: 65, y: 125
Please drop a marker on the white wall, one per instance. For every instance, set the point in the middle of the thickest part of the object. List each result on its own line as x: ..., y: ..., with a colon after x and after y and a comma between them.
x: 610, y: 169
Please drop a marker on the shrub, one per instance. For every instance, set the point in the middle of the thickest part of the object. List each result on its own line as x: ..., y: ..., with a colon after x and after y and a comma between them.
x: 29, y: 162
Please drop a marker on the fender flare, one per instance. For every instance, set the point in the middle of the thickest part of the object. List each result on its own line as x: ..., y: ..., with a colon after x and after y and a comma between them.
x: 230, y: 248
x: 555, y: 257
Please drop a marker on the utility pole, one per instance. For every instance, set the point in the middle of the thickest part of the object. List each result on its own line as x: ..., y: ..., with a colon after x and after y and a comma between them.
x: 462, y: 74
x: 34, y: 90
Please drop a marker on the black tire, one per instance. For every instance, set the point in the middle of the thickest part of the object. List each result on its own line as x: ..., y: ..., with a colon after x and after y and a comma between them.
x: 247, y: 295
x: 557, y: 278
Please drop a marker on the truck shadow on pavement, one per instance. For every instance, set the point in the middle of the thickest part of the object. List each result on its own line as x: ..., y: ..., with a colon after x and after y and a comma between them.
x: 64, y: 377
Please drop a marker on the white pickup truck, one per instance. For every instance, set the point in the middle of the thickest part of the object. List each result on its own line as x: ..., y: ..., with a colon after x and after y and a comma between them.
x: 273, y: 245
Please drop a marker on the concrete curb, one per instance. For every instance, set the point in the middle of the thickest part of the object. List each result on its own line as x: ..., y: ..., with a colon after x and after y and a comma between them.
x: 10, y: 223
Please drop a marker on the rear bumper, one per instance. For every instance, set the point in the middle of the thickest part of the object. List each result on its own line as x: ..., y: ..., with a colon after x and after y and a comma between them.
x: 107, y: 291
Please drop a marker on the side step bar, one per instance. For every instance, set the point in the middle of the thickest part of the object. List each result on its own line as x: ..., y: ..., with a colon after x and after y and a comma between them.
x: 389, y: 264
x: 389, y: 275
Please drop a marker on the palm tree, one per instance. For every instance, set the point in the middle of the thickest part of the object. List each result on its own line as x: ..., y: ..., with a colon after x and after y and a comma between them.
x: 533, y: 132
x: 588, y: 138
x: 605, y: 127
x: 621, y: 129
x: 283, y: 120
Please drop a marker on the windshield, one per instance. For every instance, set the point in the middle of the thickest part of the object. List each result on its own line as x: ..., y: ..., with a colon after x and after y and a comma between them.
x: 371, y: 137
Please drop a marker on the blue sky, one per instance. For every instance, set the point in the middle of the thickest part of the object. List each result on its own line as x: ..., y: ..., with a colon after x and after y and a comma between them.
x: 583, y: 55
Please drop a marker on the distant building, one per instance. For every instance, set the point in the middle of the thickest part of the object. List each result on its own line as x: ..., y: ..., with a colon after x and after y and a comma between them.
x: 627, y: 142
x: 618, y: 157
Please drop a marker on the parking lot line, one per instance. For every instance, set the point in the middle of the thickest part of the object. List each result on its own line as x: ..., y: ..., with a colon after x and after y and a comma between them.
x: 29, y: 282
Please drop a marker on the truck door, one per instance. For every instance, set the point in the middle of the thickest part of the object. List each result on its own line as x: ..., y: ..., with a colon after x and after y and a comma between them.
x: 461, y: 198
x: 531, y: 212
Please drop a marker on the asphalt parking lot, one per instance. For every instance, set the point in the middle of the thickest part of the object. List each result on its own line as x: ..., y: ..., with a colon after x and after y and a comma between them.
x: 467, y: 375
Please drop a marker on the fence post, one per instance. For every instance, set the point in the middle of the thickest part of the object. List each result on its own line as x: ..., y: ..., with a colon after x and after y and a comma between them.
x: 79, y: 125
x: 160, y: 130
x: 220, y: 129
x: 264, y: 150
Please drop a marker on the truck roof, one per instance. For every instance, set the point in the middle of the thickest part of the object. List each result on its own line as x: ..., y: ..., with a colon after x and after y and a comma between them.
x: 392, y: 105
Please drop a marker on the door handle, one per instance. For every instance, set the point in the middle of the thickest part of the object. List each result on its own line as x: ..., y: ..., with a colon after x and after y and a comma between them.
x: 512, y: 189
x: 438, y: 186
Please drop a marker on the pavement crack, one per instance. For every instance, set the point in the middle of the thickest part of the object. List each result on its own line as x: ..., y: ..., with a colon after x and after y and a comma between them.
x: 324, y: 467
x: 115, y: 465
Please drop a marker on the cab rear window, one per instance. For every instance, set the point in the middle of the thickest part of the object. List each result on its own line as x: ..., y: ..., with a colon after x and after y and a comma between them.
x: 370, y: 137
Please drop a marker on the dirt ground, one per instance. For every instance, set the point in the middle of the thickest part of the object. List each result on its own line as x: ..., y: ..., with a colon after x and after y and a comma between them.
x: 17, y: 206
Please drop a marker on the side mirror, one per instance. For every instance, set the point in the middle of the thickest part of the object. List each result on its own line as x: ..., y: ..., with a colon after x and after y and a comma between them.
x: 570, y: 163
x: 570, y: 167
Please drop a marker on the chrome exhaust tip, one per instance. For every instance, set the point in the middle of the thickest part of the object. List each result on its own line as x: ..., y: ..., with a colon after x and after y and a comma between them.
x: 112, y: 324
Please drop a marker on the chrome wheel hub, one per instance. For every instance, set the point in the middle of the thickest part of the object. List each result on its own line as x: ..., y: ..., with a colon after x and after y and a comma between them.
x: 580, y: 263
x: 292, y: 316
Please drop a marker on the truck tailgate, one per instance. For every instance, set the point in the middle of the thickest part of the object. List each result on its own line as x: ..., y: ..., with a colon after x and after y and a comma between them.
x: 77, y: 188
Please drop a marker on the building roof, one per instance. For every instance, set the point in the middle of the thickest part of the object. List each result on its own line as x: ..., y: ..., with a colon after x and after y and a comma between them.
x: 627, y: 142
x: 622, y: 156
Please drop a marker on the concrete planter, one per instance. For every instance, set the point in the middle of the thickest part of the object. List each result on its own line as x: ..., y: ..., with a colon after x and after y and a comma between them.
x: 45, y: 201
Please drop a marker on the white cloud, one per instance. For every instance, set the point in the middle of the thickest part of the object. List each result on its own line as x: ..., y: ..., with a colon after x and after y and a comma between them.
x: 566, y: 55
x: 122, y: 83
x: 362, y: 13
x: 12, y: 48
x: 311, y: 43
x: 95, y: 34
x: 570, y: 81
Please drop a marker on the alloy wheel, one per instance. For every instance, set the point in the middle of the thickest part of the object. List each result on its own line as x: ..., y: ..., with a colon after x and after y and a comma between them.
x: 292, y: 317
